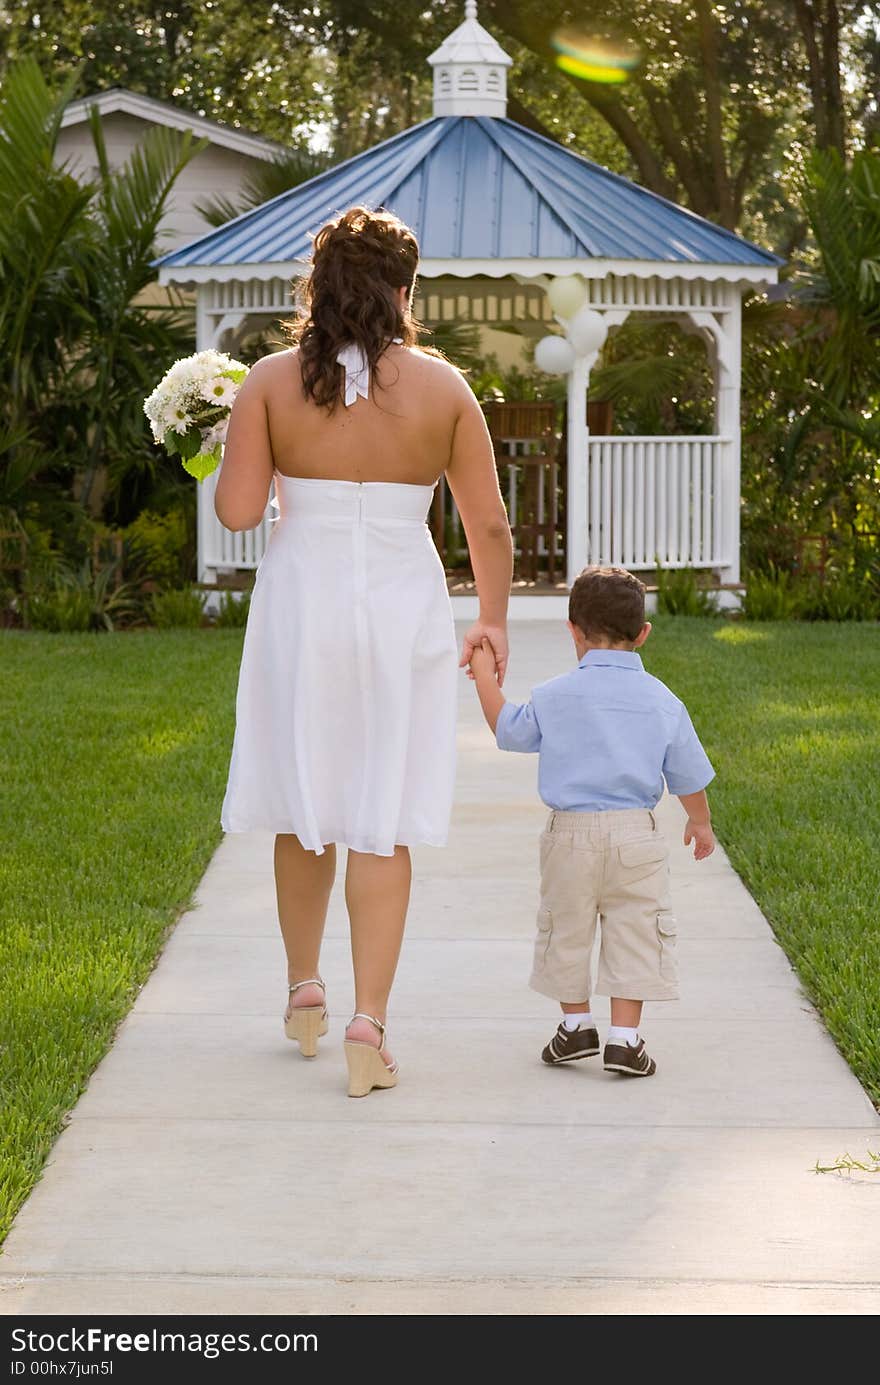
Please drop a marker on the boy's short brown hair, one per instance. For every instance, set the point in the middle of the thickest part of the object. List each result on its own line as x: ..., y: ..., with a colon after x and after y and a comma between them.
x: 607, y: 603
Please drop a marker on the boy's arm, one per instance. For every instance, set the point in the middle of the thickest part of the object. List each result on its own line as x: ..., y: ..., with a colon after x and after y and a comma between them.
x: 515, y: 727
x: 698, y: 828
x: 483, y: 668
x: 686, y: 764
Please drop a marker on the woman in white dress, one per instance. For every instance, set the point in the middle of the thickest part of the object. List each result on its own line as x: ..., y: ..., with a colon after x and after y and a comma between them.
x: 345, y: 718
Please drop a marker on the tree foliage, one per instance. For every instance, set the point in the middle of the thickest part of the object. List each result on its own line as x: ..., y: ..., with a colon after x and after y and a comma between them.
x: 248, y: 64
x: 724, y: 100
x: 79, y: 345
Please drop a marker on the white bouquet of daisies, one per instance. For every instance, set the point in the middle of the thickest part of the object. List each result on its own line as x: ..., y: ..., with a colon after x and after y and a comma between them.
x: 189, y: 408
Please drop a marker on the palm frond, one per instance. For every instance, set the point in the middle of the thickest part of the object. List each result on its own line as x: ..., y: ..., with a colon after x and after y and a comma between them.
x: 646, y: 379
x: 30, y: 118
x: 459, y: 341
x: 843, y: 208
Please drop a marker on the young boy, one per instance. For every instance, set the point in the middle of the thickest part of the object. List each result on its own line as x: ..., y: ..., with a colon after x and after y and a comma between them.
x: 607, y: 735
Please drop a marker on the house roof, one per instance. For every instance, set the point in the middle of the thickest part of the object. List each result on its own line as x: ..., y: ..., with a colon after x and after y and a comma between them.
x: 165, y: 113
x: 479, y: 189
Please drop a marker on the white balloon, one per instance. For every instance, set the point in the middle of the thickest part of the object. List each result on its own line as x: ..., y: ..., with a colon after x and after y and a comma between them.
x: 567, y: 293
x: 587, y: 331
x: 555, y: 355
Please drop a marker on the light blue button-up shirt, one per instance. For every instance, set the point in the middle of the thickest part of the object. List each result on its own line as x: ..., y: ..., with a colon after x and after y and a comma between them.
x: 607, y: 735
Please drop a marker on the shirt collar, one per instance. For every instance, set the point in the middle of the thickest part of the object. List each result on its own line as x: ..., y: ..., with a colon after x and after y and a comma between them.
x: 617, y: 658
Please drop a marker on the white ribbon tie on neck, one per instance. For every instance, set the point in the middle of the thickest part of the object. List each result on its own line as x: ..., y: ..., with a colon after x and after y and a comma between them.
x: 357, y: 371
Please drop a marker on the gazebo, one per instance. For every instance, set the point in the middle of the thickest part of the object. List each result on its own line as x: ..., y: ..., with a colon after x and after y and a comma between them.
x: 501, y: 212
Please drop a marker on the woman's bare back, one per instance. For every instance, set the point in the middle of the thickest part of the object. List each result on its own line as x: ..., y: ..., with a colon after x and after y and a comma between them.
x: 403, y: 432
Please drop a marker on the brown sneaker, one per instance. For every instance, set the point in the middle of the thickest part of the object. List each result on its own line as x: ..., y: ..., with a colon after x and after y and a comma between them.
x: 568, y: 1045
x: 630, y: 1059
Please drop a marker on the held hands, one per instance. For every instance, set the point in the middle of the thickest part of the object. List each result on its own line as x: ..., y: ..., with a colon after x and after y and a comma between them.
x: 483, y: 662
x: 483, y: 669
x: 702, y: 836
x: 476, y: 639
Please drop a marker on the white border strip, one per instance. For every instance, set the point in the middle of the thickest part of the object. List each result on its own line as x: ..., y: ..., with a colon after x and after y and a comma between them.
x: 493, y: 269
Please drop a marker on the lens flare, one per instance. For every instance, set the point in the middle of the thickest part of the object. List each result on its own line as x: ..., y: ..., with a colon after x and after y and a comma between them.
x: 592, y: 60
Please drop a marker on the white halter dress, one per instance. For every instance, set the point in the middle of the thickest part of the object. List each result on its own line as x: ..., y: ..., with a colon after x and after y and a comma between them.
x: 345, y: 715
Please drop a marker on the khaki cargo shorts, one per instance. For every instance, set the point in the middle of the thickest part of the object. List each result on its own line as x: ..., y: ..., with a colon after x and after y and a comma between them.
x: 609, y: 869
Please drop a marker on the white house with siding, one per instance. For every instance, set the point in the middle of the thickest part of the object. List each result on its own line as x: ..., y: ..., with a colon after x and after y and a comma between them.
x: 220, y: 169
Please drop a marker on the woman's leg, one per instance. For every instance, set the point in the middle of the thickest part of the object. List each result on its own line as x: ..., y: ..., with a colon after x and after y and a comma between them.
x: 303, y: 882
x: 377, y: 896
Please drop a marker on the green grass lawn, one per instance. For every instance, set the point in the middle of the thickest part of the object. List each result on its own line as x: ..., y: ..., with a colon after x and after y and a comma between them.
x: 790, y: 715
x: 113, y: 754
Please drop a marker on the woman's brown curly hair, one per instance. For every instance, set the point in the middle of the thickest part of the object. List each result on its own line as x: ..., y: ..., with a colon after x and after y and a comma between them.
x: 359, y: 261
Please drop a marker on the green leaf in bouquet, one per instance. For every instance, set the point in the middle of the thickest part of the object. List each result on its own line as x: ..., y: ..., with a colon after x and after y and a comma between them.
x: 183, y: 444
x: 236, y: 375
x: 203, y: 463
x: 190, y: 443
x: 172, y: 442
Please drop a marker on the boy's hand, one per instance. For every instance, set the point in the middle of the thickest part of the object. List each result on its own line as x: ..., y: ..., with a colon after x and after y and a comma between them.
x: 483, y: 668
x: 483, y: 662
x: 702, y: 836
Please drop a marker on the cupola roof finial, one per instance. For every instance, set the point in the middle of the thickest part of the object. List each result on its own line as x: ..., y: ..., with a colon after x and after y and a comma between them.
x: 470, y: 70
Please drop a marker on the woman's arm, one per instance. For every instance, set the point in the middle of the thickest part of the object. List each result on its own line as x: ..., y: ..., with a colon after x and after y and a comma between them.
x: 246, y: 475
x: 473, y: 481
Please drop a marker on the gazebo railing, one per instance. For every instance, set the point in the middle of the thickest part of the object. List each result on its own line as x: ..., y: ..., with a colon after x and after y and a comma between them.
x: 653, y: 500
x: 649, y: 500
x: 510, y: 475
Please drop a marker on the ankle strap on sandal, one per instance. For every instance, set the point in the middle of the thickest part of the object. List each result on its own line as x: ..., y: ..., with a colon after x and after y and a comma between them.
x: 359, y: 1015
x: 312, y: 981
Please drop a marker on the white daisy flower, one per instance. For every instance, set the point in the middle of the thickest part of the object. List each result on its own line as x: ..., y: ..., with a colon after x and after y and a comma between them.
x: 219, y: 390
x: 179, y: 420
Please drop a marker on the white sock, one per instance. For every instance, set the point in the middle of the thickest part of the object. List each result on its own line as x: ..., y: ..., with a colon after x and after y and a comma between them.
x: 573, y: 1022
x: 617, y: 1034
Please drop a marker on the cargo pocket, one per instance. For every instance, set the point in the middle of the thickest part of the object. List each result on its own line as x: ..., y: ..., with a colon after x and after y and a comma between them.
x: 667, y: 931
x: 544, y: 937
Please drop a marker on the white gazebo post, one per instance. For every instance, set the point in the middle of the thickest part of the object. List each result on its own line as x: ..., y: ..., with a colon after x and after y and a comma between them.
x: 577, y: 469
x: 728, y: 377
x: 585, y: 333
x: 721, y: 329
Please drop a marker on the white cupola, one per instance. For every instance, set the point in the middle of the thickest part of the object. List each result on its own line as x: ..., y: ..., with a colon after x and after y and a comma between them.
x: 470, y: 70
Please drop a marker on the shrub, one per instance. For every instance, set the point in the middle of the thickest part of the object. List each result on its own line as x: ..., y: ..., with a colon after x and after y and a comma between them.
x: 769, y: 596
x: 58, y: 610
x: 232, y: 613
x: 78, y: 599
x: 160, y: 548
x: 178, y: 608
x: 841, y: 596
x: 680, y: 593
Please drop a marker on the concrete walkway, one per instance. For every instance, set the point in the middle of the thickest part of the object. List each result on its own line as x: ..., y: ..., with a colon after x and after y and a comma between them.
x: 210, y: 1169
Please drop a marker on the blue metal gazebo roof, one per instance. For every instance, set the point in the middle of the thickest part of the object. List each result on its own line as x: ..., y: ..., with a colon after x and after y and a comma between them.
x: 478, y: 188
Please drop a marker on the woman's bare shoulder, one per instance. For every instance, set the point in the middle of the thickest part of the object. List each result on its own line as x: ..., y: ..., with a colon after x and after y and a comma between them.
x: 438, y: 372
x: 277, y: 361
x: 277, y: 368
